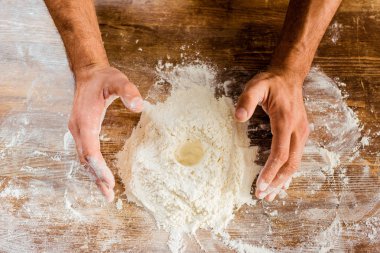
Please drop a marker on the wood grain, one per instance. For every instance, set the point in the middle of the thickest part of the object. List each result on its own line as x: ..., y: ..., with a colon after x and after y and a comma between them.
x: 238, y: 37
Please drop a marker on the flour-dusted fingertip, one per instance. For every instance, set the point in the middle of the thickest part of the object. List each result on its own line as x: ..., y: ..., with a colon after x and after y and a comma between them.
x: 108, y: 193
x: 287, y: 183
x: 135, y: 104
x: 262, y: 186
x: 110, y: 196
x: 271, y: 196
x: 261, y: 195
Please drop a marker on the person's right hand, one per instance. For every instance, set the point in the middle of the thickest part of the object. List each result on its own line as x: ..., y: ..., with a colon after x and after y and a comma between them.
x: 96, y: 87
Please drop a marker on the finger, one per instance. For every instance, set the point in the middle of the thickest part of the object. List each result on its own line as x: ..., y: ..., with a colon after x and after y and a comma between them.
x: 270, y: 197
x: 265, y: 193
x: 272, y: 192
x: 93, y: 156
x: 287, y: 183
x: 279, y: 192
x: 277, y: 158
x: 129, y: 94
x: 249, y: 99
x: 108, y: 193
x: 297, y: 144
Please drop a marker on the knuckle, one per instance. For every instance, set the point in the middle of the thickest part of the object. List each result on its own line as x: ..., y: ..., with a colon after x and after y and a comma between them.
x: 281, y: 176
x: 282, y: 156
x: 267, y: 175
x: 288, y: 112
x: 85, y: 154
x: 288, y: 123
x: 290, y: 168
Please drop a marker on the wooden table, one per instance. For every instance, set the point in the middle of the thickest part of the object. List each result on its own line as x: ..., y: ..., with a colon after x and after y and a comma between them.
x: 49, y: 204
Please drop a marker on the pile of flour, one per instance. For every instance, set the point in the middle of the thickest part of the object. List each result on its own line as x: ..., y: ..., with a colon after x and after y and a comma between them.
x: 187, y: 161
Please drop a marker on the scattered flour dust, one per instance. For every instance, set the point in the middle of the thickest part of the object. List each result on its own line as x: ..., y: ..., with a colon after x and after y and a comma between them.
x: 187, y: 161
x: 62, y: 196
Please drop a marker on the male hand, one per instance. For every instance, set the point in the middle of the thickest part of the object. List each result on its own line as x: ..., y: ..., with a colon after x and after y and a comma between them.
x: 94, y: 86
x: 279, y: 92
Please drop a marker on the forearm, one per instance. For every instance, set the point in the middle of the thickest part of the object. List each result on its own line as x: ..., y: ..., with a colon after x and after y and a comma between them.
x: 305, y: 23
x: 78, y: 26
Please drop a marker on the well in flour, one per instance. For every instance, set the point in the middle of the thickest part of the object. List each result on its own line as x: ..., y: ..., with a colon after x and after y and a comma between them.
x: 190, y: 153
x: 188, y: 162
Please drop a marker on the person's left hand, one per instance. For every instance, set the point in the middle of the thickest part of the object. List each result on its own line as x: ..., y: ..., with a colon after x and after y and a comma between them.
x: 96, y: 88
x: 280, y: 94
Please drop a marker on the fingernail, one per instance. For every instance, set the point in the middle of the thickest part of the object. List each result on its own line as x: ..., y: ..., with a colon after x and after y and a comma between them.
x: 262, y: 195
x: 136, y: 104
x: 241, y: 114
x: 262, y: 186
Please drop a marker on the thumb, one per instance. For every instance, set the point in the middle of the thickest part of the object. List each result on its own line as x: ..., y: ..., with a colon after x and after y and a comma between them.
x: 248, y: 100
x: 128, y: 93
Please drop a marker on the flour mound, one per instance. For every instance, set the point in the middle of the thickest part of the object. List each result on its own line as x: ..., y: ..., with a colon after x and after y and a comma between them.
x: 187, y: 161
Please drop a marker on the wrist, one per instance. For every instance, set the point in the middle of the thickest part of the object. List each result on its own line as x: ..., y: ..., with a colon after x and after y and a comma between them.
x: 84, y: 71
x: 86, y: 55
x: 291, y: 60
x: 289, y: 76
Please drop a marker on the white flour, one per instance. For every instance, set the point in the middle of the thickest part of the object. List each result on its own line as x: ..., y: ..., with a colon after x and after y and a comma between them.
x: 49, y: 203
x: 188, y: 162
